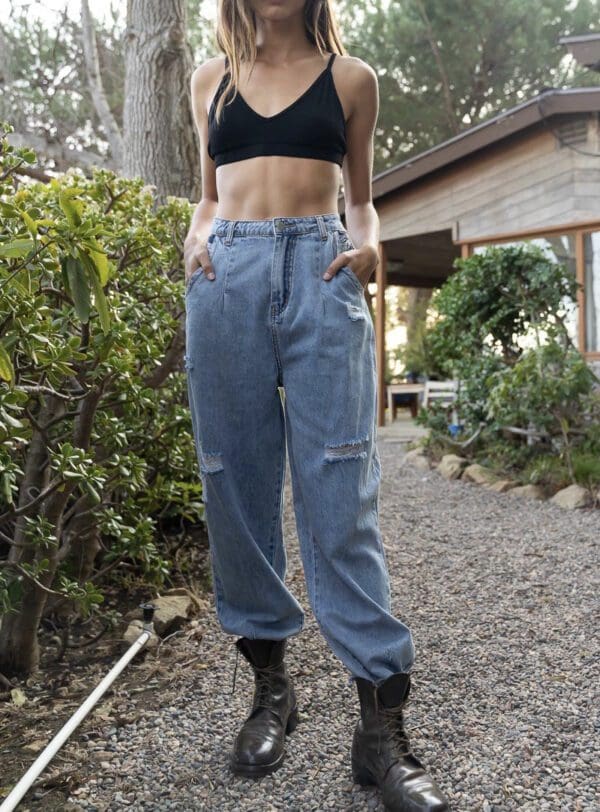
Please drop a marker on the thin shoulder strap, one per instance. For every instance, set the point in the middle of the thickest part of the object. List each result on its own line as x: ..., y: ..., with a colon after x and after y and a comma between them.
x: 330, y: 63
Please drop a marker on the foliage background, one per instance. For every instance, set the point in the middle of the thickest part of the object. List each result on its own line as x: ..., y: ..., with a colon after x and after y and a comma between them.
x: 95, y: 435
x: 443, y: 66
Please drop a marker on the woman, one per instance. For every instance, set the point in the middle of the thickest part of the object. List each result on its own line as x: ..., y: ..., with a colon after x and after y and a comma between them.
x: 275, y: 299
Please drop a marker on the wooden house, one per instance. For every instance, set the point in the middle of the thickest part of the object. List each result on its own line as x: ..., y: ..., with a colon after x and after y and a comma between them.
x: 531, y: 173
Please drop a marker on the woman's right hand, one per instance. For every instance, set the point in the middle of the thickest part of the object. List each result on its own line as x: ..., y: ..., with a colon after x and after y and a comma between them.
x: 196, y: 256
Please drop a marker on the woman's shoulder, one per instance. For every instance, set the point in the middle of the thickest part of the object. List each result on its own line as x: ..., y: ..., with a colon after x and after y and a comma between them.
x: 357, y: 67
x: 354, y: 74
x: 207, y: 73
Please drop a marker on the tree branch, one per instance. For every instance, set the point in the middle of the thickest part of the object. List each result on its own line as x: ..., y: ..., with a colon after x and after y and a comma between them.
x: 14, y: 566
x: 62, y: 156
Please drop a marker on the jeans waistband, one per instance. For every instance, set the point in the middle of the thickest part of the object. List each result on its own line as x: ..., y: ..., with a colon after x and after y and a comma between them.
x: 320, y: 224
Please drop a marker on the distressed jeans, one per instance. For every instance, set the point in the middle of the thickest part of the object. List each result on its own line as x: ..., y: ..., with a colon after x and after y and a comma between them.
x: 280, y: 361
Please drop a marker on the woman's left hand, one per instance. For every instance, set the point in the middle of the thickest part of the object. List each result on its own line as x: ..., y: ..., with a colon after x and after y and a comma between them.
x: 362, y: 261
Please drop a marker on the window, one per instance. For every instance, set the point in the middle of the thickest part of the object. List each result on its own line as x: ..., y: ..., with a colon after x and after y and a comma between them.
x: 560, y: 248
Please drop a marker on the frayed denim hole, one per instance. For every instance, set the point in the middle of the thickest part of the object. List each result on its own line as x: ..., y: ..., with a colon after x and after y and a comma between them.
x: 355, y: 312
x: 188, y: 362
x: 346, y: 451
x: 211, y: 463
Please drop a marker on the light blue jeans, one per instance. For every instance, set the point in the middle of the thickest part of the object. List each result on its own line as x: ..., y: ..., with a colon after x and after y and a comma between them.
x: 279, y: 359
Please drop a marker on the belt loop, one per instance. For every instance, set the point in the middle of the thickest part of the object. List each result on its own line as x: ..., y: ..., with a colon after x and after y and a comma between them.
x: 229, y: 234
x: 322, y: 226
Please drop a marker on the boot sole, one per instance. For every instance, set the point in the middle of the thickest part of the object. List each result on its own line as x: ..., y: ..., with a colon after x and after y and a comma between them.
x: 362, y: 776
x: 256, y: 770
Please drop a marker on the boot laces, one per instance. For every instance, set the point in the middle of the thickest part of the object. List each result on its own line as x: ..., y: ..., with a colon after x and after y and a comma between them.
x: 264, y: 681
x: 391, y: 722
x: 265, y: 685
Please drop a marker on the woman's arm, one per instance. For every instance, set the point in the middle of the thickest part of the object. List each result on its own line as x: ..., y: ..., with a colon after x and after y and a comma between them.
x: 361, y: 86
x: 203, y: 81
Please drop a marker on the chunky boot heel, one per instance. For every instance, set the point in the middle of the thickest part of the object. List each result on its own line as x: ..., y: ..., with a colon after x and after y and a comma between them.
x: 292, y: 722
x: 259, y: 745
x: 361, y: 775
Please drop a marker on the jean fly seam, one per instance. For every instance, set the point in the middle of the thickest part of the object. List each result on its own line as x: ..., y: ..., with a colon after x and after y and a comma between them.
x: 276, y: 350
x: 227, y: 261
x: 288, y: 272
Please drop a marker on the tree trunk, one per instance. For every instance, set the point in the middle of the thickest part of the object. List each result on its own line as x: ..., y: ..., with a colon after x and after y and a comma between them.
x: 94, y: 76
x: 416, y: 314
x: 19, y: 653
x: 159, y: 133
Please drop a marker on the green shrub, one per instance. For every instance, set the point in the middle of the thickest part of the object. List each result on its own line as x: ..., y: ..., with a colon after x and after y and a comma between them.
x: 486, y: 309
x: 586, y: 468
x: 95, y: 435
x: 549, y: 387
x: 501, y: 333
x: 548, y: 470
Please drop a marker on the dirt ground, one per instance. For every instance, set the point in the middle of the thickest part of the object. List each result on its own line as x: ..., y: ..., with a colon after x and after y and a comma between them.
x: 33, y: 710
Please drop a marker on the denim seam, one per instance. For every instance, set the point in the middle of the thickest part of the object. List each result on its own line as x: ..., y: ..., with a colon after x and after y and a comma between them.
x: 277, y: 358
x: 228, y: 259
x: 277, y: 509
x: 289, y: 266
x: 315, y: 575
x: 297, y: 494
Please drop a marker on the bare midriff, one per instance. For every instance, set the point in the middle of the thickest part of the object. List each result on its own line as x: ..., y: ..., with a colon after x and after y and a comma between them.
x: 277, y: 186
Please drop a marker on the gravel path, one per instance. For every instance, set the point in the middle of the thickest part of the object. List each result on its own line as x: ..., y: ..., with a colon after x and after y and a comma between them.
x: 500, y: 595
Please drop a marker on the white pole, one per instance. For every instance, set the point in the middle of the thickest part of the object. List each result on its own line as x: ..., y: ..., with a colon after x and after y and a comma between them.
x: 11, y: 801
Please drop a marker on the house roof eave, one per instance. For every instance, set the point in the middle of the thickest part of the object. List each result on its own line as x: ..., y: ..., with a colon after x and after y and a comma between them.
x: 533, y: 111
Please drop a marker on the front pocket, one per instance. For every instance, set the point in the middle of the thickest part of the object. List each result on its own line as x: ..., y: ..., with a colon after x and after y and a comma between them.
x: 210, y: 243
x: 342, y: 242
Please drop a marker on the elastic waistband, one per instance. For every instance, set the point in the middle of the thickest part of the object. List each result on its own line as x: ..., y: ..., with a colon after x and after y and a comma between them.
x: 318, y: 223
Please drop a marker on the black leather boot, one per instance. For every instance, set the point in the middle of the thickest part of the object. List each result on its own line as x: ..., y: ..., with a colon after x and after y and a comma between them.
x: 259, y: 746
x: 381, y: 749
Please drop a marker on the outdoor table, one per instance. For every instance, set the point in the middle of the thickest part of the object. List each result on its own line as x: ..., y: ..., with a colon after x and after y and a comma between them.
x: 404, y: 388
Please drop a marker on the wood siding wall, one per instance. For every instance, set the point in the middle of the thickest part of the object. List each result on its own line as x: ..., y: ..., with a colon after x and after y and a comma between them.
x: 527, y: 181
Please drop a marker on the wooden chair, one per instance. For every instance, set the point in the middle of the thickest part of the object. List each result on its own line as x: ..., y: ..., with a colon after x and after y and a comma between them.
x: 444, y: 392
x: 440, y: 391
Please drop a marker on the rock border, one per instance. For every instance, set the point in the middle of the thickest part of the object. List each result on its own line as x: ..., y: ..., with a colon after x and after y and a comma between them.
x: 453, y: 466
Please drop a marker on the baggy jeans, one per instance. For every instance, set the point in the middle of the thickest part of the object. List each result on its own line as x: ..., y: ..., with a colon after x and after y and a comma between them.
x: 279, y: 360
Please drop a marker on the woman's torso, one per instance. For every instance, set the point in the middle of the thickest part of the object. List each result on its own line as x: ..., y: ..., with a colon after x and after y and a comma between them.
x: 262, y: 186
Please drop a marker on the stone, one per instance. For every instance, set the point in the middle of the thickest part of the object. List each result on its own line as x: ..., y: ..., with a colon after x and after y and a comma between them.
x: 421, y: 463
x: 133, y: 631
x: 172, y: 611
x: 418, y: 459
x: 451, y: 466
x: 503, y: 485
x: 528, y: 491
x: 480, y: 475
x: 572, y: 497
x: 414, y: 452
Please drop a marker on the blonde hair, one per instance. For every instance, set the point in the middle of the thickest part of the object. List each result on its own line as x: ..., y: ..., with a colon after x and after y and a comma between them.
x: 236, y: 37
